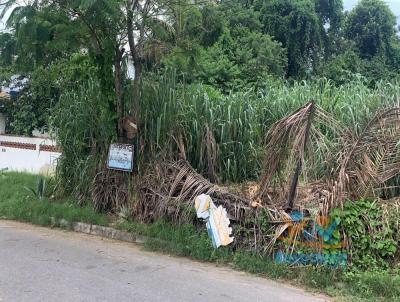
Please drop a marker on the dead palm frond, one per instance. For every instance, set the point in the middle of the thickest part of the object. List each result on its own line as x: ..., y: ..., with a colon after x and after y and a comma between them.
x: 168, y: 189
x: 211, y: 152
x: 110, y: 191
x: 290, y: 139
x: 369, y: 160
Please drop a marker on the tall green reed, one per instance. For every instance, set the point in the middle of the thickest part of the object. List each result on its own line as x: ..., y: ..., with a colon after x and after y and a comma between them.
x: 83, y: 126
x: 240, y: 120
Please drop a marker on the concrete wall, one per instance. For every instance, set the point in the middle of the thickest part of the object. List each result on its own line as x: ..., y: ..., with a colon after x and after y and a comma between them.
x: 27, y: 154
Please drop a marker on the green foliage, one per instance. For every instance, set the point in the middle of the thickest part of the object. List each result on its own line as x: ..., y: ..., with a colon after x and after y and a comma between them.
x: 330, y: 12
x: 348, y: 67
x: 372, y: 27
x: 83, y: 128
x: 373, y: 245
x: 243, y: 60
x: 239, y: 121
x: 231, y: 45
x: 232, y: 54
x: 7, y: 49
x: 42, y: 35
x: 298, y: 27
x: 378, y: 286
x: 171, y: 111
x: 45, y: 42
x: 184, y: 240
x: 31, y: 110
x: 343, y: 68
x: 18, y: 204
x: 40, y: 190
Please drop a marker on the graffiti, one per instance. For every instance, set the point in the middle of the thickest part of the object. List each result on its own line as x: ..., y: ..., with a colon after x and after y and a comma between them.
x: 334, y: 260
x: 317, y: 240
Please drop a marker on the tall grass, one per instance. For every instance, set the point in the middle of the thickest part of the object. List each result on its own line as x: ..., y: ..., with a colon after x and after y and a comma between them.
x: 173, y: 113
x: 83, y: 121
x: 239, y: 121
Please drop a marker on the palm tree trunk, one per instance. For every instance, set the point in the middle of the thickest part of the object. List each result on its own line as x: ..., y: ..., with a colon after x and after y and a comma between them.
x: 118, y: 90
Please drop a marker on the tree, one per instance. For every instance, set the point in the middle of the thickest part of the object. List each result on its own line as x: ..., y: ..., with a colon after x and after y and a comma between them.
x: 40, y: 34
x: 242, y: 60
x: 231, y: 54
x: 33, y: 107
x: 143, y: 20
x: 297, y: 26
x: 104, y: 23
x: 342, y: 68
x: 255, y: 52
x: 7, y: 49
x: 372, y: 27
x: 48, y: 31
x: 330, y: 12
x: 184, y: 36
x: 331, y: 17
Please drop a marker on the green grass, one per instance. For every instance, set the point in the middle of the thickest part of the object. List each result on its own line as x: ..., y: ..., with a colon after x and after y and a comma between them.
x: 17, y: 203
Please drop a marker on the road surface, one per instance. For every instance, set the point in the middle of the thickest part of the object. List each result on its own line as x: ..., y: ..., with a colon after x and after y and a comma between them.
x: 39, y: 264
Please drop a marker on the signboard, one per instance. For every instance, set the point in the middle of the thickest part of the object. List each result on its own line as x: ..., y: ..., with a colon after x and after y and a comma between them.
x: 120, y: 157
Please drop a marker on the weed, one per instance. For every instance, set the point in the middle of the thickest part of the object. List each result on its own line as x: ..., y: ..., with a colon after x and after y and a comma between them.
x: 39, y: 191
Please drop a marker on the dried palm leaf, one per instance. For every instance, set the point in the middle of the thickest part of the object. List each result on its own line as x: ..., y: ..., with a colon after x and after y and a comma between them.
x: 369, y: 160
x: 110, y: 191
x: 286, y: 145
x: 171, y: 188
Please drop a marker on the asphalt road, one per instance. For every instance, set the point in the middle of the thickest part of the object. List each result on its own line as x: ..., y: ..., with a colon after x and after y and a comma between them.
x: 39, y: 264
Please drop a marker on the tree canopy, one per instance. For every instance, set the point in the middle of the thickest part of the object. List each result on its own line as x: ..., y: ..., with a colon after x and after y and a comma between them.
x: 230, y: 45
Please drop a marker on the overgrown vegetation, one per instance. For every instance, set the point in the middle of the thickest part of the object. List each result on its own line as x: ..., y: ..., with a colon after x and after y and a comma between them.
x: 182, y: 115
x: 210, y: 81
x: 83, y: 129
x: 232, y: 46
x: 239, y: 67
x: 372, y: 233
x: 191, y: 241
x: 186, y: 240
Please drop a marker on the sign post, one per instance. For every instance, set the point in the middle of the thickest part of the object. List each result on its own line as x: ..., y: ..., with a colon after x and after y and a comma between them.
x: 120, y: 157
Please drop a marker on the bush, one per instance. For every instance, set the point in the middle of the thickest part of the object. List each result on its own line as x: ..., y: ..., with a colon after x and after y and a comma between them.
x: 371, y: 234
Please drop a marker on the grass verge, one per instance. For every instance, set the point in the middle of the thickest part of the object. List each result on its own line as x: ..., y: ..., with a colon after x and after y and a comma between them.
x: 341, y: 285
x: 18, y: 202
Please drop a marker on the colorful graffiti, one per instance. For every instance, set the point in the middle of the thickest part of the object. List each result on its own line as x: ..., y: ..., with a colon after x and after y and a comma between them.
x: 311, y: 241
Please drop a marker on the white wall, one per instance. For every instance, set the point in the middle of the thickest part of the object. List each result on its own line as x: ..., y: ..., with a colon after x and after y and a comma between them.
x: 32, y: 161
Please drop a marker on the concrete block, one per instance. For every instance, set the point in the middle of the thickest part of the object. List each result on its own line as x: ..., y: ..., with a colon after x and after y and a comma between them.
x: 82, y: 227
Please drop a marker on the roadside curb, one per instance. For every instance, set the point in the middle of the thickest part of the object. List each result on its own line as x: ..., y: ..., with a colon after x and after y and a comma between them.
x: 107, y: 232
x: 99, y: 231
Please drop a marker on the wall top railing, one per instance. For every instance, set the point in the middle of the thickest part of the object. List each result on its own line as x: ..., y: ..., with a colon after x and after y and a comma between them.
x: 29, y: 143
